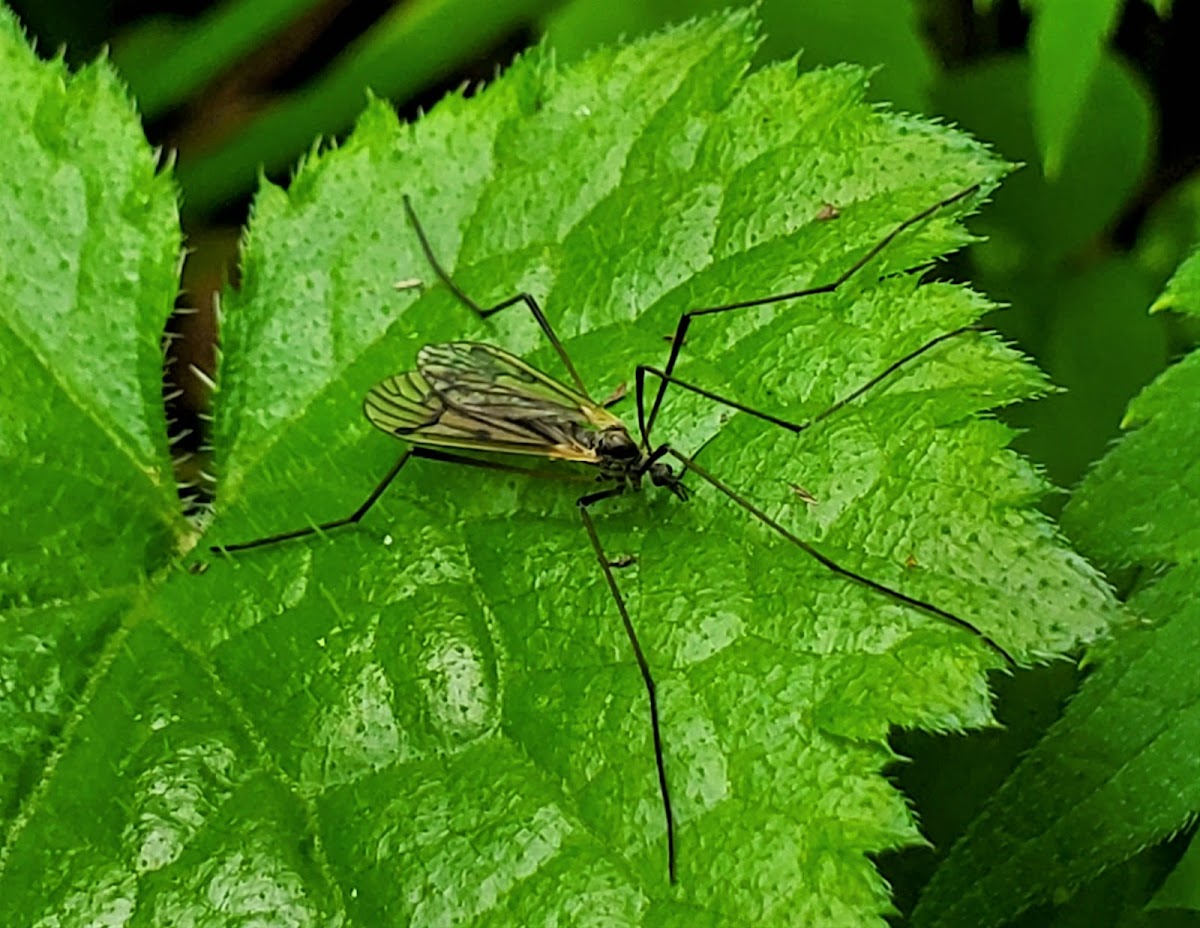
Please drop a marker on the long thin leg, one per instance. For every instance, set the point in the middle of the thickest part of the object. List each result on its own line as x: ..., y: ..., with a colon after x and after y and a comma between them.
x: 643, y: 665
x: 685, y: 320
x: 891, y: 369
x: 644, y: 369
x: 664, y: 378
x: 351, y: 519
x: 482, y: 312
x: 838, y: 568
x: 428, y: 454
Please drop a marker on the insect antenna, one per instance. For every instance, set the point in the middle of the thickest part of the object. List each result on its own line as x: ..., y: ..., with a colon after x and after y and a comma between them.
x: 685, y: 320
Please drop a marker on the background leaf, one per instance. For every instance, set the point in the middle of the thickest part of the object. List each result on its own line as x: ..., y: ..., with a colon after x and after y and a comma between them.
x: 823, y: 33
x: 1118, y: 771
x: 1179, y: 891
x: 165, y: 61
x: 89, y: 253
x: 1067, y: 42
x: 401, y: 54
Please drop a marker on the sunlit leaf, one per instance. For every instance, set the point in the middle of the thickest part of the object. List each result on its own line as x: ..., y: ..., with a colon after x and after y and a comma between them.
x: 434, y: 717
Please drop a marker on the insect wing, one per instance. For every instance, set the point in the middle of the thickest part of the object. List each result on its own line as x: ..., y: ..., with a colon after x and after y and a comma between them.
x: 475, y: 377
x: 478, y: 398
x: 407, y: 407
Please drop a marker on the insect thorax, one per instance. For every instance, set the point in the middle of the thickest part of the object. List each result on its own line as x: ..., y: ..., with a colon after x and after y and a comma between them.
x: 618, y: 453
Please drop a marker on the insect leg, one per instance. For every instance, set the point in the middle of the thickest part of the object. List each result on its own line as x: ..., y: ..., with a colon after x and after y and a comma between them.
x: 685, y: 320
x: 324, y: 526
x: 643, y: 665
x: 428, y: 454
x: 665, y: 378
x: 484, y: 312
x: 837, y: 568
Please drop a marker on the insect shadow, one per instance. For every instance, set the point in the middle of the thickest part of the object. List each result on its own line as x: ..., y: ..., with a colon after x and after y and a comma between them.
x: 479, y: 399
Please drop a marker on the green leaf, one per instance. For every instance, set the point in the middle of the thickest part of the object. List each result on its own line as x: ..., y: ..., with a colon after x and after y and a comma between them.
x: 166, y: 60
x: 1170, y: 229
x: 89, y: 252
x: 1067, y: 41
x: 894, y: 47
x: 1119, y: 771
x: 1183, y: 289
x: 434, y: 717
x: 1139, y: 505
x: 89, y: 248
x: 1098, y: 351
x: 406, y: 51
x: 1181, y: 890
x: 1118, y: 898
x: 1115, y: 774
x: 1037, y: 222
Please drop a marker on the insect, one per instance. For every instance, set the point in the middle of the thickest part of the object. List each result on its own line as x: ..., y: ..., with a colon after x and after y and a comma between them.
x: 464, y: 399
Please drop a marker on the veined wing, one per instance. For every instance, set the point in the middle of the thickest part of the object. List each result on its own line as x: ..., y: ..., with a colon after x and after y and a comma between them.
x: 472, y: 376
x: 478, y: 398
